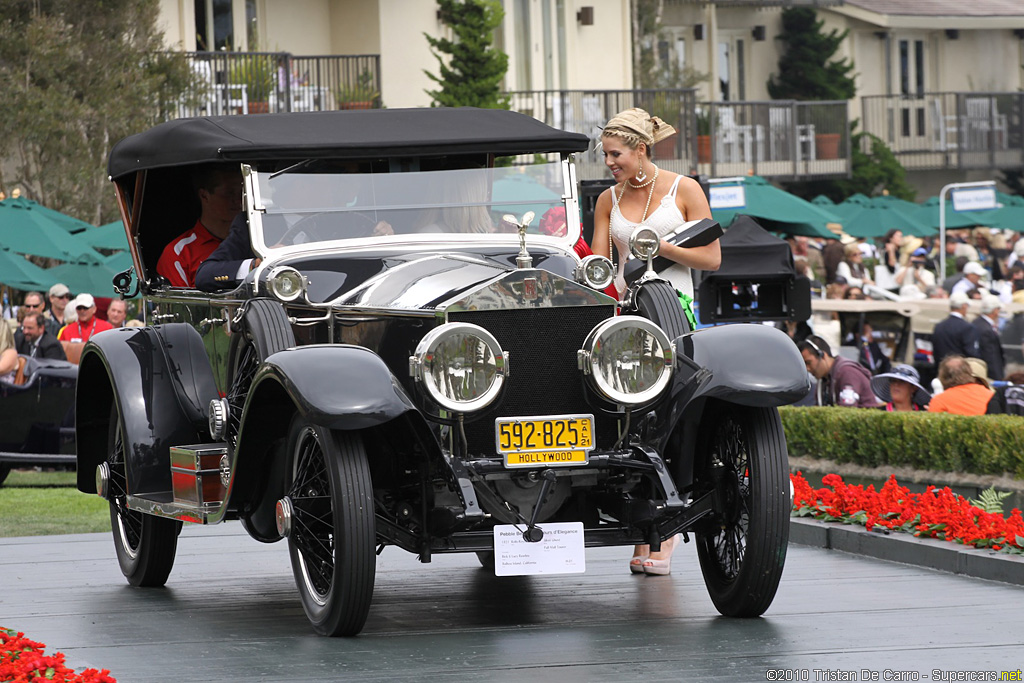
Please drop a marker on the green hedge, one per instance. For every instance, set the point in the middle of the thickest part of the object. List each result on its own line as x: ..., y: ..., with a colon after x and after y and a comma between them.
x: 987, y: 444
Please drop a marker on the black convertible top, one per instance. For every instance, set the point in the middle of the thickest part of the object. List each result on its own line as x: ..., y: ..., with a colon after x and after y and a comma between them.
x: 339, y: 135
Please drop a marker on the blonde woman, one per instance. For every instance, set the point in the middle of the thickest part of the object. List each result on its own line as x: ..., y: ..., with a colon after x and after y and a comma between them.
x: 643, y: 194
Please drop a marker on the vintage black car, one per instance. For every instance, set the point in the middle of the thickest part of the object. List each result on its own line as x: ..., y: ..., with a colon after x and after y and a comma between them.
x: 454, y: 383
x: 37, y: 415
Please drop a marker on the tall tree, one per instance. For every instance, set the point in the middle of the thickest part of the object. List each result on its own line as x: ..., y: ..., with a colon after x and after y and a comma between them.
x: 470, y: 67
x: 807, y: 70
x: 76, y: 76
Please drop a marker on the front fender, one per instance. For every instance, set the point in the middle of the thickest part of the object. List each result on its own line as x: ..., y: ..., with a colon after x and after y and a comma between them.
x: 337, y: 385
x: 159, y: 380
x: 752, y: 365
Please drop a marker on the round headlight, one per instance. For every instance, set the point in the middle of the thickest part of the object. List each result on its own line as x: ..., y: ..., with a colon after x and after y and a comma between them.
x: 644, y: 243
x: 627, y: 359
x: 595, y: 271
x: 286, y: 283
x: 461, y: 366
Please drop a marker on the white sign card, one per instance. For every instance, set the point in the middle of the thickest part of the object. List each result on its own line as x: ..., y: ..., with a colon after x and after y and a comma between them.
x: 728, y: 197
x: 559, y: 552
x: 974, y: 199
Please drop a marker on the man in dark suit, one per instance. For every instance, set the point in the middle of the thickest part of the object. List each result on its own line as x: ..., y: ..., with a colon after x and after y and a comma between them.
x: 34, y: 341
x: 230, y: 262
x: 954, y: 335
x: 990, y: 349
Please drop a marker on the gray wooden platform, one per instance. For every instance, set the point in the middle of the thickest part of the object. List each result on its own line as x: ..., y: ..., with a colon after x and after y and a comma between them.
x: 231, y: 613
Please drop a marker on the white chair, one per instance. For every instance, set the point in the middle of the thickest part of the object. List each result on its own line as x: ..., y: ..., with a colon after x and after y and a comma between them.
x: 984, y: 126
x: 780, y: 129
x: 944, y: 127
x: 735, y: 142
x: 236, y: 98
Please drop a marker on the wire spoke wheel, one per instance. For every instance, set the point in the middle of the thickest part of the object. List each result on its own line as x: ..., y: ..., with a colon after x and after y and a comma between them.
x: 742, y: 551
x: 145, y: 545
x: 333, y: 531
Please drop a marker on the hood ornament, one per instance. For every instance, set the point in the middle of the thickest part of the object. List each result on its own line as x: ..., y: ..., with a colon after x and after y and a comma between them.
x: 523, y: 259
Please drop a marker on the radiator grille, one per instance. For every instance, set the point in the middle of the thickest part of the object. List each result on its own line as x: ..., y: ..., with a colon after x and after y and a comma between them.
x: 544, y: 380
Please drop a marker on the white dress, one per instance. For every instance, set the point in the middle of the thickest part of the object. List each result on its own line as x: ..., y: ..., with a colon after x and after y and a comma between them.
x: 665, y: 218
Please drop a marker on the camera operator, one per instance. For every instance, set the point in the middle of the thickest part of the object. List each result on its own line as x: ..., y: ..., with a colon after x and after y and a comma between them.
x: 916, y: 272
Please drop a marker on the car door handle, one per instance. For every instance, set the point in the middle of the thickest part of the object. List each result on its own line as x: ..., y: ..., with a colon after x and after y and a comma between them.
x: 164, y: 316
x: 206, y: 322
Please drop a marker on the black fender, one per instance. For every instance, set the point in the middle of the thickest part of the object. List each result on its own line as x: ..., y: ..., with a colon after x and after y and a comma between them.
x: 752, y: 365
x: 161, y: 382
x: 339, y: 386
x: 335, y: 385
x: 743, y: 364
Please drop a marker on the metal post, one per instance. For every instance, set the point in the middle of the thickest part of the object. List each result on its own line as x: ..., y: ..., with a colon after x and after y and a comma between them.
x: 942, y: 219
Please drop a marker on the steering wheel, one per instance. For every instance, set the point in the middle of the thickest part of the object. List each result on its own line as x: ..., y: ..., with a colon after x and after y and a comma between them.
x: 352, y: 223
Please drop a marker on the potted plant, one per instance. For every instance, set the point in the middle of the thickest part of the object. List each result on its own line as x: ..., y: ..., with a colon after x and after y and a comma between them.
x: 703, y: 137
x: 360, y: 95
x: 257, y: 75
x: 667, y: 108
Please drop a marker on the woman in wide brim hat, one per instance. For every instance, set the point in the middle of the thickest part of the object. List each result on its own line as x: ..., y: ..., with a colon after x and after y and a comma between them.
x: 900, y: 389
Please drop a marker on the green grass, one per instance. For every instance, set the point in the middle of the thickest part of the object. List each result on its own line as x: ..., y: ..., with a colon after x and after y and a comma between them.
x: 45, y: 503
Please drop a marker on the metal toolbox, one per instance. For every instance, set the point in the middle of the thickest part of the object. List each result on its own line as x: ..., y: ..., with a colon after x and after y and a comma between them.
x: 200, y: 474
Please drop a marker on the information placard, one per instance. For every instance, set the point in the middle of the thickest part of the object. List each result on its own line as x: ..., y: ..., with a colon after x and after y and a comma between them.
x: 974, y: 198
x: 559, y: 552
x: 727, y: 197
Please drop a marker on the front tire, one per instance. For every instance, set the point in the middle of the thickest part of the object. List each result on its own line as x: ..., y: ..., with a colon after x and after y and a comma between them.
x: 333, y: 531
x: 145, y: 544
x: 658, y: 301
x: 742, y: 551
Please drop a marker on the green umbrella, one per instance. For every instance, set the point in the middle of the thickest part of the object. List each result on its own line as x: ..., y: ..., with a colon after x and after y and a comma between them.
x: 822, y: 200
x: 18, y: 272
x: 876, y: 219
x: 109, y: 236
x: 26, y: 228
x: 69, y: 223
x: 1009, y: 215
x: 94, y: 278
x: 777, y: 210
x: 928, y: 213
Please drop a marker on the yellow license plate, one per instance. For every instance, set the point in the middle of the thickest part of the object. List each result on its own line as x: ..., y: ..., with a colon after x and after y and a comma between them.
x: 548, y: 441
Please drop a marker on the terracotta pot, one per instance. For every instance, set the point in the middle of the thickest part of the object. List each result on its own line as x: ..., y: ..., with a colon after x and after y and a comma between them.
x: 355, y: 105
x: 827, y: 145
x: 704, y: 149
x: 259, y: 107
x: 665, y: 149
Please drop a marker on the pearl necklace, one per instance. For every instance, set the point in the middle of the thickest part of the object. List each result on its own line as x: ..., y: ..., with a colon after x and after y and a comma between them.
x: 645, y: 184
x: 650, y: 194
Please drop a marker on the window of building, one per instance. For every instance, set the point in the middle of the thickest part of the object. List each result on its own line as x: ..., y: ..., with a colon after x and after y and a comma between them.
x: 214, y: 25
x: 521, y: 26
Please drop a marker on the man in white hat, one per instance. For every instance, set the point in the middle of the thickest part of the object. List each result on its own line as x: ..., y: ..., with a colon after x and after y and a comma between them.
x: 60, y: 295
x: 990, y: 349
x: 87, y: 324
x: 974, y: 273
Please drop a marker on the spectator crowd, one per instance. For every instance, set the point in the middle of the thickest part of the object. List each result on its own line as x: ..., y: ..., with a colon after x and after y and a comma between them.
x: 971, y: 362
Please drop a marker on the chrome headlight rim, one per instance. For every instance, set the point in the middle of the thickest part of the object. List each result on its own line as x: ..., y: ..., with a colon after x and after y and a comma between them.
x: 587, y: 272
x: 596, y: 379
x: 286, y: 284
x: 425, y: 356
x: 644, y: 243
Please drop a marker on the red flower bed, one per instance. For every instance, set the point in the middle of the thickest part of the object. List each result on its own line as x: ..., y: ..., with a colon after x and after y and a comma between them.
x: 24, y: 661
x: 936, y: 513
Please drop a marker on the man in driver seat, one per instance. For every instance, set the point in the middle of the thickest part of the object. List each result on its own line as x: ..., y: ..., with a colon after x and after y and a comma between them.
x: 218, y: 187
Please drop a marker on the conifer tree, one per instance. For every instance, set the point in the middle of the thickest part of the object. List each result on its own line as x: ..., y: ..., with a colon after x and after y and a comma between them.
x: 807, y: 70
x: 470, y: 67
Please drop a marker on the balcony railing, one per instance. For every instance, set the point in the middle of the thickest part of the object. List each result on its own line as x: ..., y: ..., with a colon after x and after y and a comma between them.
x: 782, y: 139
x: 226, y: 83
x: 949, y: 129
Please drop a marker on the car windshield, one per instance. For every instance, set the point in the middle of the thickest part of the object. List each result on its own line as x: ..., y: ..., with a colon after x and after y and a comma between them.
x: 296, y: 208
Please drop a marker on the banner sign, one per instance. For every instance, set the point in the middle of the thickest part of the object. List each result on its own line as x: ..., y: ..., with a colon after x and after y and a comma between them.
x: 974, y: 199
x: 728, y: 197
